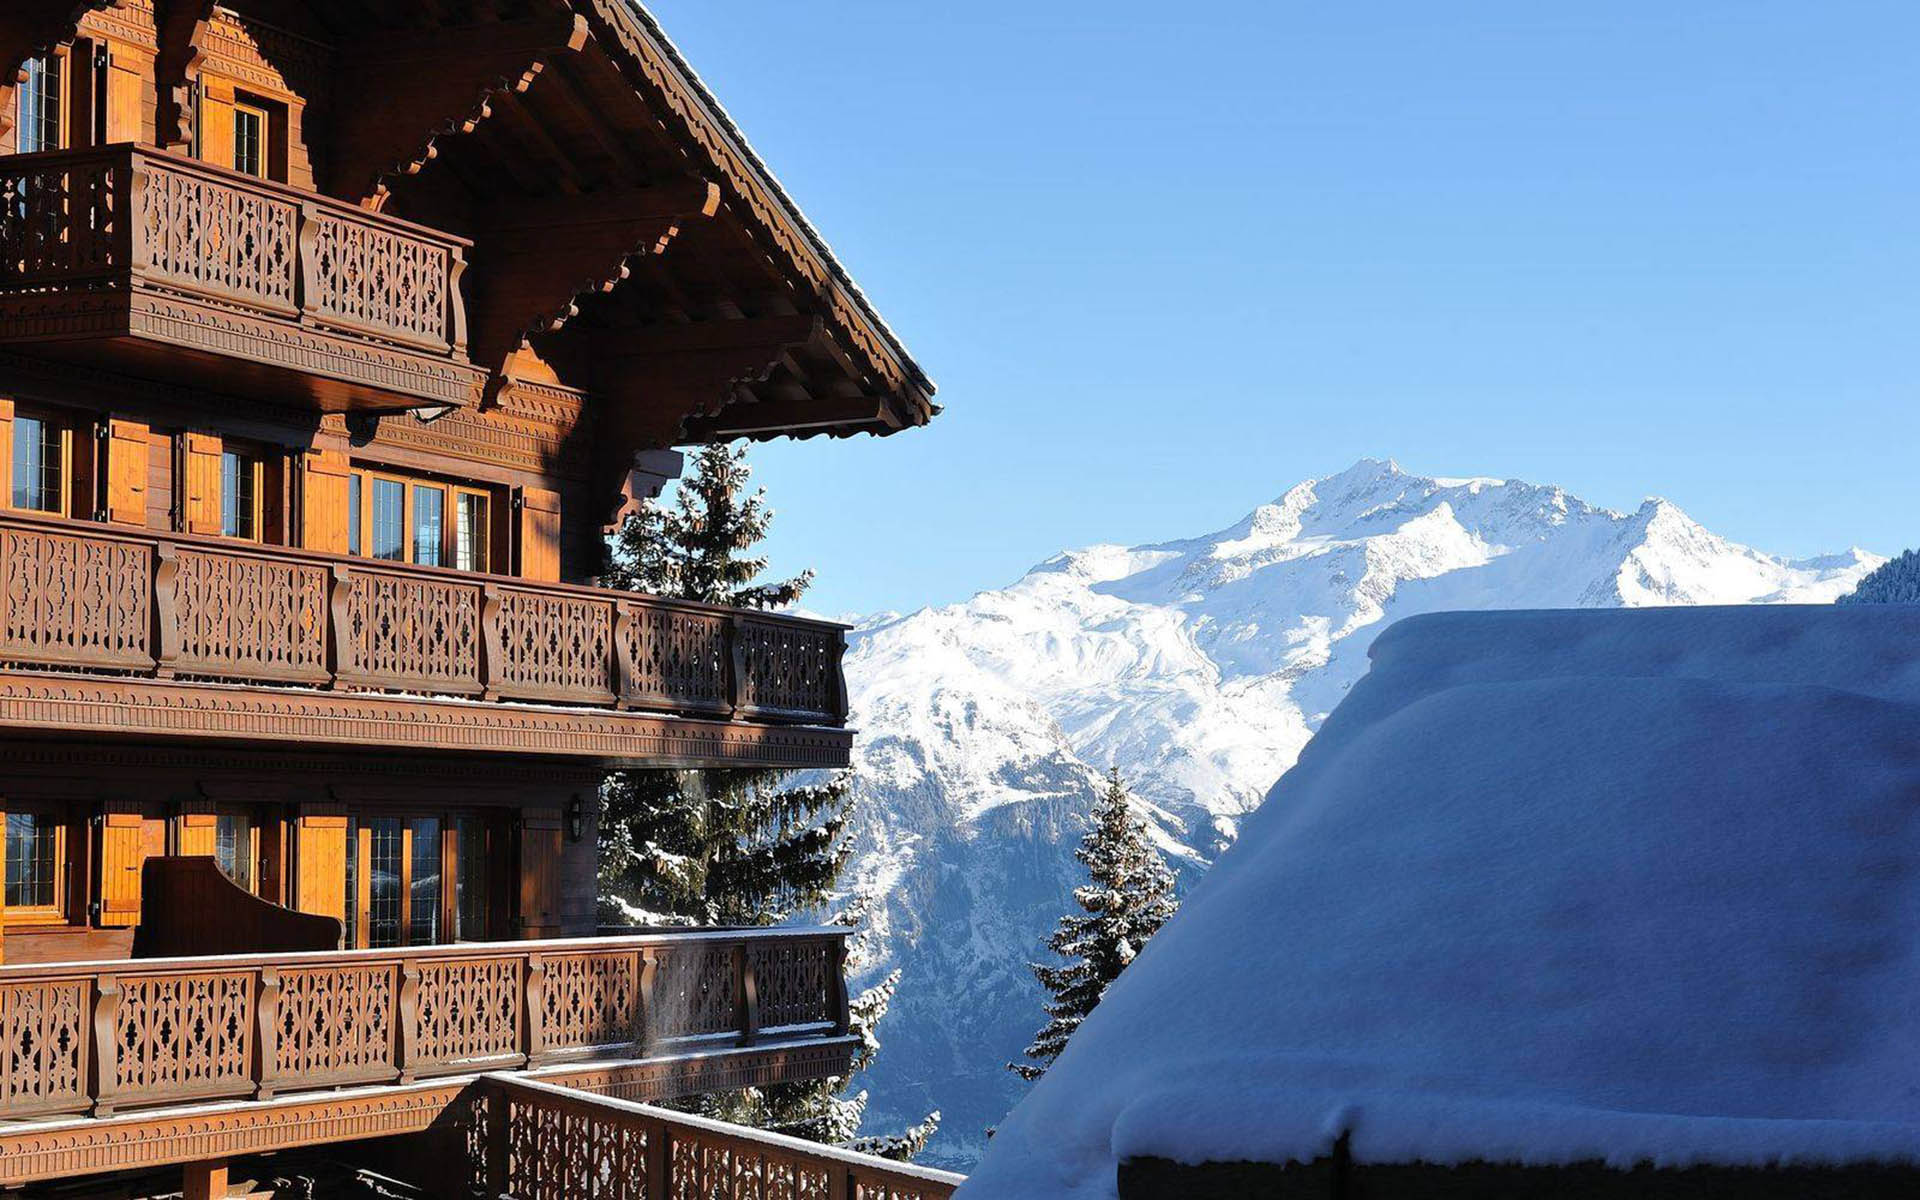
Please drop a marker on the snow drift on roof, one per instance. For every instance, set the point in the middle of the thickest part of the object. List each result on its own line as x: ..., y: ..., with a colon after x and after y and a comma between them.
x: 1547, y: 887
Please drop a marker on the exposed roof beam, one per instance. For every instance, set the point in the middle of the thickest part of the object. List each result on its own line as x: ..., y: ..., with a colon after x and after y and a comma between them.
x: 745, y: 418
x: 433, y: 83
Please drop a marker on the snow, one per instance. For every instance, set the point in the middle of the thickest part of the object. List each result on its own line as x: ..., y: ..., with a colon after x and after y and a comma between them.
x: 1200, y: 667
x: 1547, y: 887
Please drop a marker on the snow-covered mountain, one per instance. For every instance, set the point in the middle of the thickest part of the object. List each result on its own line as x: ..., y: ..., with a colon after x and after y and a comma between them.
x: 1199, y: 668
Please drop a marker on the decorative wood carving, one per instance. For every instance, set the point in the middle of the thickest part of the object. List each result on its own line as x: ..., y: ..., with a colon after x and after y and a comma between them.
x: 182, y: 27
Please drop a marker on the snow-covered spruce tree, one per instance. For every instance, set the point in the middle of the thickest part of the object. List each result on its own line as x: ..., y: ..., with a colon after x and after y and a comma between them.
x: 1130, y: 898
x: 1896, y: 581
x: 733, y: 847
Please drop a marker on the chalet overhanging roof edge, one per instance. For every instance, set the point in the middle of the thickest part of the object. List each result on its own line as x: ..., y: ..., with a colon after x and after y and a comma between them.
x: 723, y: 122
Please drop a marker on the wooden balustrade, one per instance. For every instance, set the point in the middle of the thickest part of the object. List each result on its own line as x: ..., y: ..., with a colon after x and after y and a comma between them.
x: 534, y: 1141
x: 232, y: 265
x: 94, y: 598
x: 93, y: 1037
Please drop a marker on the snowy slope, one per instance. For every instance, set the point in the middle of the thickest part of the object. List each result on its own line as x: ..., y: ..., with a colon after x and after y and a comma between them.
x: 1200, y: 668
x: 1549, y: 887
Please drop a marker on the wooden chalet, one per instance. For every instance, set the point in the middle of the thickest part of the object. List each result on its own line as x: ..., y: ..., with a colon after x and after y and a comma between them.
x: 334, y: 336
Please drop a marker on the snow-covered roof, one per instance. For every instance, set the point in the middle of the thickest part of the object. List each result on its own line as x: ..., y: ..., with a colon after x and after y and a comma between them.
x: 1547, y: 887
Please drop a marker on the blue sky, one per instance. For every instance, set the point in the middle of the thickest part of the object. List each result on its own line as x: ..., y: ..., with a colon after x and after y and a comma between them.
x: 1166, y: 260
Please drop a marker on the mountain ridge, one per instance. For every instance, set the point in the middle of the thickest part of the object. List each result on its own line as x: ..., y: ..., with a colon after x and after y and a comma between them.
x: 1200, y: 667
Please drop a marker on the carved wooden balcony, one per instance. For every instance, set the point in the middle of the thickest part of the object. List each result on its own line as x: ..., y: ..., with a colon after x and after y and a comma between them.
x: 177, y: 269
x: 132, y: 632
x: 92, y: 1038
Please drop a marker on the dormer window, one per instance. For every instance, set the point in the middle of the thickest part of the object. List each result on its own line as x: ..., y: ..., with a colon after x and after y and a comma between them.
x: 43, y: 104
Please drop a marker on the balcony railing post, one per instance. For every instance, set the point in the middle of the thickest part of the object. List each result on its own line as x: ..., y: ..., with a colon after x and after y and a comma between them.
x: 492, y: 642
x: 104, y: 1078
x: 659, y: 1161
x: 166, y: 608
x: 838, y: 666
x: 341, y: 660
x: 266, y: 1033
x: 647, y: 1022
x: 130, y: 205
x: 533, y: 997
x: 407, y: 1028
x: 306, y: 278
x: 842, y: 1008
x: 626, y: 672
x: 457, y: 304
x: 499, y: 1127
x: 737, y: 664
x: 747, y: 991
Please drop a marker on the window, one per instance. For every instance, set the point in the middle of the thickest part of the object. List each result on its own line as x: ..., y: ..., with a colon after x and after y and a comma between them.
x: 471, y: 531
x: 40, y: 451
x: 429, y: 524
x: 233, y: 848
x: 250, y: 127
x: 42, y: 104
x: 36, y: 863
x: 240, y: 495
x: 400, y: 519
x: 398, y: 870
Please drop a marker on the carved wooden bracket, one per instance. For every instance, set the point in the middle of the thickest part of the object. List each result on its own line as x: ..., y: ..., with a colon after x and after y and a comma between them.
x: 570, y: 247
x: 433, y: 84
x: 182, y: 25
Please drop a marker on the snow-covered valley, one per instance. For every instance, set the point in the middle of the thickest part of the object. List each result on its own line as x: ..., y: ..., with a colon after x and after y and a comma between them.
x: 1199, y: 668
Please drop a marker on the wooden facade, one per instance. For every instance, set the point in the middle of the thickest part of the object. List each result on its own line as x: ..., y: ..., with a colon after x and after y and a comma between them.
x: 334, y: 338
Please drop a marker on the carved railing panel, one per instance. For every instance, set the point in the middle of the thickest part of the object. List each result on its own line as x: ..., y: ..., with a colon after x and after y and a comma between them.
x: 696, y: 992
x: 559, y: 1144
x: 377, y: 281
x: 251, y: 618
x: 119, y: 600
x: 681, y: 657
x: 592, y: 1000
x: 92, y: 1036
x: 43, y: 1046
x: 469, y: 1012
x: 336, y: 1024
x: 206, y: 236
x: 74, y: 601
x: 555, y: 646
x: 60, y: 222
x: 788, y: 668
x: 415, y: 632
x: 795, y: 982
x: 183, y: 1036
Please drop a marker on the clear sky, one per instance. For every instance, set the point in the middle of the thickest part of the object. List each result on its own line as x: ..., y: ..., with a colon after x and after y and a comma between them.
x: 1166, y: 260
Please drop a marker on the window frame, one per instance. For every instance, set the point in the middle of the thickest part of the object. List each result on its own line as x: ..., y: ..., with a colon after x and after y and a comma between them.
x: 359, y: 875
x: 361, y: 489
x: 251, y: 820
x: 253, y: 465
x: 63, y: 501
x: 61, y: 102
x: 257, y: 111
x: 55, y: 913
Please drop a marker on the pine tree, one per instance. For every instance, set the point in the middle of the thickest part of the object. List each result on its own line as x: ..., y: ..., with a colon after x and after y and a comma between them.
x: 735, y: 847
x: 1896, y: 581
x: 1130, y: 898
x: 722, y: 847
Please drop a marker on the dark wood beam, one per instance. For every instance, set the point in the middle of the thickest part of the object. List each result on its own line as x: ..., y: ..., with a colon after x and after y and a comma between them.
x: 533, y: 260
x: 182, y: 24
x: 766, y: 418
x: 433, y: 83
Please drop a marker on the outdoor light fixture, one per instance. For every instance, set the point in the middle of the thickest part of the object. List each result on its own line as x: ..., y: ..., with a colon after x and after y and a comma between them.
x: 576, y: 818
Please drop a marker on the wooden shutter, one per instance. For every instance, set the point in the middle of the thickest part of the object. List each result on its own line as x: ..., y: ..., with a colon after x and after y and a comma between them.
x: 199, y: 832
x: 123, y: 854
x: 539, y: 535
x: 203, y: 483
x: 124, y: 85
x: 127, y: 443
x: 216, y: 121
x: 539, y: 870
x: 320, y: 865
x: 323, y: 498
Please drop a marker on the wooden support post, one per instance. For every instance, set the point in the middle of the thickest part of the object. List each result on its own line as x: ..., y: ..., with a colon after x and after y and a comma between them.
x: 341, y: 663
x: 659, y: 1161
x: 266, y: 1034
x: 492, y: 643
x: 840, y: 1184
x: 748, y: 994
x: 166, y: 609
x: 736, y: 664
x: 647, y: 1021
x: 204, y: 1180
x: 842, y: 1007
x: 104, y: 1078
x: 534, y: 1020
x: 407, y: 1028
x: 499, y: 1137
x: 626, y: 672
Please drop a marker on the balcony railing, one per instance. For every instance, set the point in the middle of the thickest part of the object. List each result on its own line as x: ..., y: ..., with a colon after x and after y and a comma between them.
x: 82, y: 231
x: 541, y: 1142
x: 100, y: 599
x: 92, y: 1037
